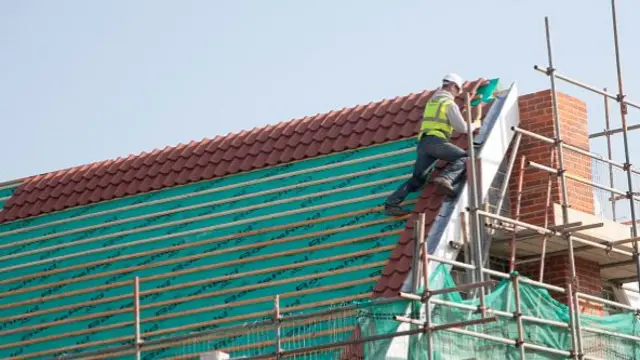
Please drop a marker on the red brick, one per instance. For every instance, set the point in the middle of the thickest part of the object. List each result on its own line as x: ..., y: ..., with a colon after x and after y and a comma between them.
x: 536, y: 114
x: 557, y: 272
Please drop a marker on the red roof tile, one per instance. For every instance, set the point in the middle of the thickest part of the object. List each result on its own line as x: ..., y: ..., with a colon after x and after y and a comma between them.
x: 365, y: 125
x: 353, y: 351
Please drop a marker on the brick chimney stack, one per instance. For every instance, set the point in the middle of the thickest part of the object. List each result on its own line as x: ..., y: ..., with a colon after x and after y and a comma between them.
x: 536, y: 115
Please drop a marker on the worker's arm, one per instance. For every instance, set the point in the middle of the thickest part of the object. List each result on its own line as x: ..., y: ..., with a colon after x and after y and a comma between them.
x: 458, y: 122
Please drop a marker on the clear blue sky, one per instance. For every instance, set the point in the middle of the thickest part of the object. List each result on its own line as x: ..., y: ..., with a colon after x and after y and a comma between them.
x: 84, y: 81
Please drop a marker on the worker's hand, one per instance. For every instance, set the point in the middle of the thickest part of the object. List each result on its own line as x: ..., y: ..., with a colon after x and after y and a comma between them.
x: 479, y: 109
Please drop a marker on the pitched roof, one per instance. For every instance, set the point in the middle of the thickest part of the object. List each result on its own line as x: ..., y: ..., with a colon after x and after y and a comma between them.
x: 322, y: 134
x: 298, y: 139
x: 308, y: 137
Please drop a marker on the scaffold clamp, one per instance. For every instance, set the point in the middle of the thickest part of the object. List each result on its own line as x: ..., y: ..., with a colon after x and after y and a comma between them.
x: 609, y: 247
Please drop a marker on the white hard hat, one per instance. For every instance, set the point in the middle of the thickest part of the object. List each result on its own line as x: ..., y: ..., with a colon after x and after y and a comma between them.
x: 454, y: 78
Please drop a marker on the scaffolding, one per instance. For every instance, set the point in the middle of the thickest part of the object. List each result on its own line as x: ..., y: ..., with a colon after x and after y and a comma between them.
x: 566, y: 231
x: 478, y: 217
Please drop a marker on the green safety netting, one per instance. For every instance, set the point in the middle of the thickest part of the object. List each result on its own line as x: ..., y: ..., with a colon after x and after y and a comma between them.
x: 535, y: 301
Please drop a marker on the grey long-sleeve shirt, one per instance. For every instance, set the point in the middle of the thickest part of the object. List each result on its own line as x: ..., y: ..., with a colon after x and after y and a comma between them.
x: 454, y: 115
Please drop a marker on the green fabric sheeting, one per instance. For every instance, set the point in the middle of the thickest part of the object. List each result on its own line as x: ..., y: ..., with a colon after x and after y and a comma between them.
x: 535, y: 302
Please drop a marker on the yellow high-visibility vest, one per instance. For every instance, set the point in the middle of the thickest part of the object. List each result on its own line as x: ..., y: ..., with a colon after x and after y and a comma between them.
x: 434, y: 119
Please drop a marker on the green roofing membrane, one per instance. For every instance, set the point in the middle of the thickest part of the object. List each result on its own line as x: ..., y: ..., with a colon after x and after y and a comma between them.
x: 239, y: 240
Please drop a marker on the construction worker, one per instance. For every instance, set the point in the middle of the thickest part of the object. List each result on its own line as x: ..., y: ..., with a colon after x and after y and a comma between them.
x: 441, y: 117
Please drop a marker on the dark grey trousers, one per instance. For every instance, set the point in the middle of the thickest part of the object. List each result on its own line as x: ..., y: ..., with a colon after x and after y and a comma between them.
x: 430, y: 149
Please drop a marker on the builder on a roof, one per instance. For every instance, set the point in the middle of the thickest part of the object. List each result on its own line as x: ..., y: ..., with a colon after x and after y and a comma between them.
x: 441, y: 117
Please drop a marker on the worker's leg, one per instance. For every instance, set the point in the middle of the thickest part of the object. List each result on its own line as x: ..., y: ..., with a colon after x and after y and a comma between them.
x: 452, y: 174
x: 418, y: 178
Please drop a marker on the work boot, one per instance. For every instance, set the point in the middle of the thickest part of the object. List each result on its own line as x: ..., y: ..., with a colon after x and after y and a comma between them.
x: 444, y: 187
x: 395, y: 210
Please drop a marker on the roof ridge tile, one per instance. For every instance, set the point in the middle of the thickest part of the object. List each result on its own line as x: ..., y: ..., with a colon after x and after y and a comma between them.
x: 238, y: 139
x: 251, y: 137
x: 187, y: 152
x: 277, y: 131
x: 409, y: 102
x: 289, y: 127
x: 201, y: 148
x: 342, y: 117
x: 303, y: 125
x: 381, y: 108
x: 102, y: 170
x: 214, y: 144
x: 369, y: 111
x: 225, y: 142
x: 139, y: 161
x: 264, y: 133
x: 329, y: 120
x: 356, y: 113
x: 315, y: 121
x: 176, y: 152
x: 127, y: 163
x: 395, y: 106
x: 91, y: 171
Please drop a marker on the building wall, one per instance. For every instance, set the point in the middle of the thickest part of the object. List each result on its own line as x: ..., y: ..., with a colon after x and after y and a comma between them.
x: 536, y: 115
x: 557, y: 272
